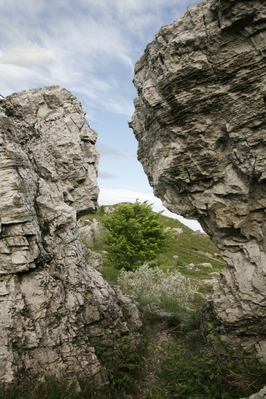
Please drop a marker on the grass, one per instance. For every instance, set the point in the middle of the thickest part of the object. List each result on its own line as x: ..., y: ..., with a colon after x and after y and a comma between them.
x: 187, y: 365
x: 193, y: 370
x: 190, y: 247
x: 184, y: 366
x: 110, y: 274
x: 50, y: 388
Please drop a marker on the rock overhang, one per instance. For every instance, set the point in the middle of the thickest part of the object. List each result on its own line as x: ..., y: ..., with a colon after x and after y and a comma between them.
x: 200, y: 122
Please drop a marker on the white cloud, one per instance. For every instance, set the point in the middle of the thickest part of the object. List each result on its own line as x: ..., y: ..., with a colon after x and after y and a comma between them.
x: 93, y: 40
x: 89, y: 46
x: 27, y: 6
x: 30, y: 56
x: 114, y: 196
x: 121, y: 106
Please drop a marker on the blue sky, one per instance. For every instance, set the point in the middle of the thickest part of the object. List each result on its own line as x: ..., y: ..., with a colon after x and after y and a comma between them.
x: 89, y: 47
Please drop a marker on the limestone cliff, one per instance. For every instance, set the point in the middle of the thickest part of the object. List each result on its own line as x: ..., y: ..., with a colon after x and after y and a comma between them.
x: 51, y: 302
x: 200, y: 121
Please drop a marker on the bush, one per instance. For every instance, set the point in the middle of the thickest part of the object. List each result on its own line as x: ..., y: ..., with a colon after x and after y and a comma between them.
x: 152, y: 285
x: 123, y: 363
x: 50, y: 388
x: 203, y: 373
x: 134, y: 235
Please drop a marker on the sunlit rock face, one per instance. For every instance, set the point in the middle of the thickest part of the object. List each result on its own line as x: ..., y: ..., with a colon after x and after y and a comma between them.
x: 200, y: 122
x: 52, y: 303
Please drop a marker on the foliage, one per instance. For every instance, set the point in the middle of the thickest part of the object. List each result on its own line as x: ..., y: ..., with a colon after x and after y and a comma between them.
x: 134, y: 235
x: 152, y: 285
x: 188, y: 247
x: 185, y: 367
x: 196, y: 371
x: 123, y: 363
x: 50, y: 388
x: 110, y: 274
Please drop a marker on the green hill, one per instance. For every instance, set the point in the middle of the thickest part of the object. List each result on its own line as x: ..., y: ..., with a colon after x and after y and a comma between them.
x: 193, y: 254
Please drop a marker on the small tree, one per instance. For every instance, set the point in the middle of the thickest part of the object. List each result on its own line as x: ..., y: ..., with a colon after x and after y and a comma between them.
x: 134, y: 235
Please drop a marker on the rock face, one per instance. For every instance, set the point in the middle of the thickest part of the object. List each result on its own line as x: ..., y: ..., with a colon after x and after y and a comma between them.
x: 51, y: 301
x: 200, y: 120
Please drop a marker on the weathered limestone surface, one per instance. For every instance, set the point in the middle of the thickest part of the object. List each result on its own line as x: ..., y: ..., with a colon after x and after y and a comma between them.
x: 52, y: 303
x: 200, y: 121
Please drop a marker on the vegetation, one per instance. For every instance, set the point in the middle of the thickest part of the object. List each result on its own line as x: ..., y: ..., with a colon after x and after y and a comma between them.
x: 134, y: 235
x: 174, y: 359
x: 50, y: 388
x: 152, y: 285
x: 192, y: 369
x: 124, y: 364
x: 185, y: 247
x: 186, y: 366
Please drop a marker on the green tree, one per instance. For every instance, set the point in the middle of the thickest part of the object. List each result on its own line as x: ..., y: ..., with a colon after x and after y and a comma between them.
x: 134, y: 235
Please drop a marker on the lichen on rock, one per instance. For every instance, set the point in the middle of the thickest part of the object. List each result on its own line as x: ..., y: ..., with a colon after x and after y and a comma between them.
x: 200, y: 122
x: 52, y: 303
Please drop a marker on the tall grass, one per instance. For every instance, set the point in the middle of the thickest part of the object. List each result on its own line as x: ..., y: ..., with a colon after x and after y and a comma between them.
x: 50, y: 388
x: 196, y: 371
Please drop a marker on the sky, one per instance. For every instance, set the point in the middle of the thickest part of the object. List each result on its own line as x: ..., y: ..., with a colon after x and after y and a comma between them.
x: 90, y: 48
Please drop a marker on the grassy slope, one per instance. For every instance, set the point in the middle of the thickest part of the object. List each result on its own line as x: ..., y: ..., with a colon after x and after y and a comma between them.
x: 190, y: 247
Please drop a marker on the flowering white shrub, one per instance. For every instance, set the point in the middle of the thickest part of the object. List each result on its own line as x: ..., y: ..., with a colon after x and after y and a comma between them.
x: 153, y: 285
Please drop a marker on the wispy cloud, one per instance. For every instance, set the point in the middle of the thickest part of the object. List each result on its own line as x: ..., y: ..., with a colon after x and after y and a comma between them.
x: 106, y: 175
x: 108, y: 151
x: 88, y: 45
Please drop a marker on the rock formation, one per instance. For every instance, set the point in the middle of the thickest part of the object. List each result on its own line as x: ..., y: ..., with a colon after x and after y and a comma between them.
x: 200, y: 121
x: 52, y: 303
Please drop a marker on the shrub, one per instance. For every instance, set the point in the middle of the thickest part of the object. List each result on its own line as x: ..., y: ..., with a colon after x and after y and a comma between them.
x: 134, y: 235
x: 123, y: 363
x: 152, y: 285
x: 199, y: 372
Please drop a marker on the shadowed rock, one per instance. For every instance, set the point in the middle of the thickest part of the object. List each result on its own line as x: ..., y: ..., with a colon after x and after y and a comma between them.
x: 200, y: 121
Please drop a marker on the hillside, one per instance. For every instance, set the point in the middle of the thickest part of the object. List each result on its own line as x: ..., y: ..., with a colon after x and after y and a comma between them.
x: 193, y: 254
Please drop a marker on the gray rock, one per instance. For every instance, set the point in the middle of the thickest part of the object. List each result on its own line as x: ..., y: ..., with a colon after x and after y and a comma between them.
x: 207, y: 265
x: 260, y: 395
x: 52, y: 303
x: 90, y: 231
x: 200, y: 120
